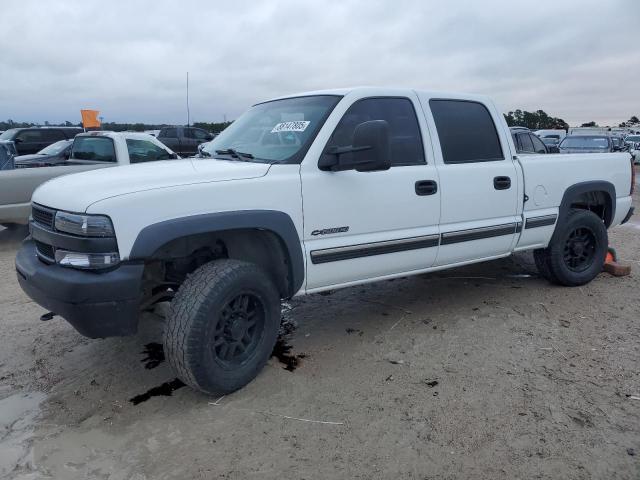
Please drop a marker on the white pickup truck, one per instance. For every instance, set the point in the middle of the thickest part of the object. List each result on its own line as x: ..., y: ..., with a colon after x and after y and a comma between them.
x: 90, y: 151
x: 303, y: 194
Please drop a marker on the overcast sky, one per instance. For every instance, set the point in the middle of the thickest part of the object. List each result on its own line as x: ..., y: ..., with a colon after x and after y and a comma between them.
x: 575, y: 59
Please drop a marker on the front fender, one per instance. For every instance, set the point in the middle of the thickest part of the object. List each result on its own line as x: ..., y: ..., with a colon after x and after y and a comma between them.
x: 154, y: 236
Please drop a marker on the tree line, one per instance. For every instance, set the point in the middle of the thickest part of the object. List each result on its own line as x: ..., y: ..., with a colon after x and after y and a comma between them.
x: 537, y: 120
x: 213, y: 127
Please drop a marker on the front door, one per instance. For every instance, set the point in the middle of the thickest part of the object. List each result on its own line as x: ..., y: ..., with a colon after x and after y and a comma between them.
x: 366, y: 225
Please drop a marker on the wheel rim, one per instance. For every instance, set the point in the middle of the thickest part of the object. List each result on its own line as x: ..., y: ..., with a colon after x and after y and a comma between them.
x: 580, y: 249
x: 238, y: 330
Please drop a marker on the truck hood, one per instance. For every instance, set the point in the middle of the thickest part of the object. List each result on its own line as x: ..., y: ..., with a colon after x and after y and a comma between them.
x: 78, y: 191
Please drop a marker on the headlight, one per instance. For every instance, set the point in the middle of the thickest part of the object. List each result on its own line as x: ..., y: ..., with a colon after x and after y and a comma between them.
x: 90, y: 261
x: 84, y: 225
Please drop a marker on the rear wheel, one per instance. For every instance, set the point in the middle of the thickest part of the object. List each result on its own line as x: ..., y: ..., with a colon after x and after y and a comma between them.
x: 577, y: 250
x: 222, y: 326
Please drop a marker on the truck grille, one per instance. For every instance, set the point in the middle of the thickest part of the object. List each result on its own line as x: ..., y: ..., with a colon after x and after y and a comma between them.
x: 43, y: 216
x: 45, y: 252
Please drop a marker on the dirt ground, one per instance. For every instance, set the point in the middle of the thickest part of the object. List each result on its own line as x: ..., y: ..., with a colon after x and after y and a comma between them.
x: 479, y: 372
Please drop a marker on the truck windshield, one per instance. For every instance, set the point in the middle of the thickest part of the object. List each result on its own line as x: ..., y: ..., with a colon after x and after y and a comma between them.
x: 279, y: 131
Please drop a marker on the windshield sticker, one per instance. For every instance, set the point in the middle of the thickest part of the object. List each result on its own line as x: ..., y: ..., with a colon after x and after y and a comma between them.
x: 299, y: 126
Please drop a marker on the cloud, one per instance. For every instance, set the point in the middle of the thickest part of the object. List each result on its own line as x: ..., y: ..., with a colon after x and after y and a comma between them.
x: 574, y: 59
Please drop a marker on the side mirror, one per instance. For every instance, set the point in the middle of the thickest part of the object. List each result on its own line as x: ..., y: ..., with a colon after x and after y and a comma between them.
x: 173, y: 156
x: 369, y: 152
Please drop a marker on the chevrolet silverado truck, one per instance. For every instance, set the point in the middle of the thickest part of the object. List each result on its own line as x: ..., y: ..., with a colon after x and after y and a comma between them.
x: 90, y: 151
x: 304, y: 194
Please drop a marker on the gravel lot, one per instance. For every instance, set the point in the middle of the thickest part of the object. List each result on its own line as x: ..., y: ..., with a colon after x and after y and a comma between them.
x: 479, y: 372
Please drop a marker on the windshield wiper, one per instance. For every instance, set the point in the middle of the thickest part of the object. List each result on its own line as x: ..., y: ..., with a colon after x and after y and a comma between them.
x: 234, y: 153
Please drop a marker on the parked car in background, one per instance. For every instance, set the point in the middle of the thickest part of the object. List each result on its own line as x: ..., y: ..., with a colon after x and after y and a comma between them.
x: 90, y: 151
x: 33, y: 139
x: 7, y: 155
x: 184, y: 140
x: 618, y: 143
x: 558, y: 133
x: 526, y: 142
x: 551, y: 144
x: 633, y: 144
x: 54, y: 154
x: 586, y: 144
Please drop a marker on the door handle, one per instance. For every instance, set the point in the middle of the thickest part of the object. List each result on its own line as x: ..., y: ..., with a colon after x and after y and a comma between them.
x: 426, y: 187
x: 502, y: 183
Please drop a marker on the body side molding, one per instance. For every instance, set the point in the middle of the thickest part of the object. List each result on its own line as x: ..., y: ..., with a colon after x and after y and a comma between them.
x: 542, y: 221
x: 375, y: 248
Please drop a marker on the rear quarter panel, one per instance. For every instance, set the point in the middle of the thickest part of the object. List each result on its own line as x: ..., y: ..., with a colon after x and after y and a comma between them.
x: 547, y: 177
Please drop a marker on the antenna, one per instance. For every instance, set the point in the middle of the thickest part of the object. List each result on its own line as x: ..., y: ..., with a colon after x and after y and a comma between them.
x: 188, y: 114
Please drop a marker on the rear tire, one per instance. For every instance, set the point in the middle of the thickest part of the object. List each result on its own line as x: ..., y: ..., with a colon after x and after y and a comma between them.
x: 222, y: 326
x: 577, y: 250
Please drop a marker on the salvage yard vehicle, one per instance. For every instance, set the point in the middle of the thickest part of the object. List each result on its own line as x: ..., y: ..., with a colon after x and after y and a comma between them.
x: 526, y: 142
x: 33, y: 139
x: 305, y: 194
x: 184, y: 140
x: 54, y: 154
x: 90, y: 151
x: 586, y: 144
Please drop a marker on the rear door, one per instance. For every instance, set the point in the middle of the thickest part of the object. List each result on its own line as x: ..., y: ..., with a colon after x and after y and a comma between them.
x: 479, y: 180
x: 364, y: 225
x: 169, y: 136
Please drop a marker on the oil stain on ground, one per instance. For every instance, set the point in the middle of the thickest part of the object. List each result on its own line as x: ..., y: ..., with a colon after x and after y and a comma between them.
x: 166, y: 390
x: 282, y: 351
x: 154, y: 355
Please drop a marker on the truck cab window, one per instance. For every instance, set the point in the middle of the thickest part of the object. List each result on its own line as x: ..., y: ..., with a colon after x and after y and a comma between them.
x: 145, y: 151
x: 466, y: 131
x: 97, y: 149
x: 405, y: 141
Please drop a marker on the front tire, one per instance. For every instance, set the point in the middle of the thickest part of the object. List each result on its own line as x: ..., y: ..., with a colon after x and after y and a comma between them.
x: 222, y: 326
x: 577, y: 250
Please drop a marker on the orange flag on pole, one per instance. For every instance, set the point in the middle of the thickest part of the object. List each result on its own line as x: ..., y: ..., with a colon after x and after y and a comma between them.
x: 90, y: 118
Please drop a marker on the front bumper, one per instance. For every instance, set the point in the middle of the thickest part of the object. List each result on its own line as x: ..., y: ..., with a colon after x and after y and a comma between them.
x: 97, y: 305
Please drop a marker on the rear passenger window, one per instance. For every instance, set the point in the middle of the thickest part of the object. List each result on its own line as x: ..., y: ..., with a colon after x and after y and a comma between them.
x: 466, y: 131
x: 96, y: 149
x: 169, y: 133
x: 527, y: 144
x: 405, y: 141
x: 52, y: 135
x: 145, y: 151
x: 538, y: 146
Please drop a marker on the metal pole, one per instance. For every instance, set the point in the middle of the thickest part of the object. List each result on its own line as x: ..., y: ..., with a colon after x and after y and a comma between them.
x: 188, y: 113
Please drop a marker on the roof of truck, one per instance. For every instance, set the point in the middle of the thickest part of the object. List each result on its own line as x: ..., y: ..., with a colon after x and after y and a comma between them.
x: 386, y: 91
x: 110, y: 134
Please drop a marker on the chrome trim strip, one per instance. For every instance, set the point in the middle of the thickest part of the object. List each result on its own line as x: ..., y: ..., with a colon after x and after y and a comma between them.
x: 375, y: 248
x: 542, y: 221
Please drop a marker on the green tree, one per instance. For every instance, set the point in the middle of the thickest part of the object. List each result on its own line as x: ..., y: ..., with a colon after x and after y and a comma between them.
x: 534, y: 120
x: 589, y: 124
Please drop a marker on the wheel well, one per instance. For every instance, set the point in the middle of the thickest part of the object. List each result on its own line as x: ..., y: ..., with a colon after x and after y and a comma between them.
x: 170, y: 264
x: 598, y: 202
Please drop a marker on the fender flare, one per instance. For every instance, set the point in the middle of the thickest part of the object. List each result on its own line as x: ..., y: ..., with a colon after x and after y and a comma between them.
x: 592, y: 186
x: 152, y: 237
